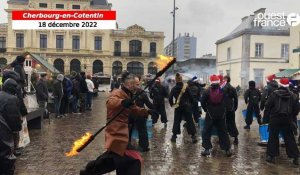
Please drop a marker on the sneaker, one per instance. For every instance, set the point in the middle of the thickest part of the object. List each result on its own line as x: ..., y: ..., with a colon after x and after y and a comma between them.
x: 173, y: 139
x: 247, y: 127
x: 58, y: 116
x: 194, y: 139
x: 228, y: 153
x: 205, y: 153
x: 236, y: 141
x: 271, y: 159
x: 296, y: 161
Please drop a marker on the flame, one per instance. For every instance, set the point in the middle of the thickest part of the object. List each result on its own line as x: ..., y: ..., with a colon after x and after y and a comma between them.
x: 78, y: 143
x: 162, y: 61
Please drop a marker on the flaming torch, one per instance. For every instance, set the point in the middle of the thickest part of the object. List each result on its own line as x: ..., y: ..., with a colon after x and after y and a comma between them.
x: 164, y: 63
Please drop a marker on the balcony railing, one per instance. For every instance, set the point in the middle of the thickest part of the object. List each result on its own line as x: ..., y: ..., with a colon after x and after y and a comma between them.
x: 135, y: 54
x: 2, y: 50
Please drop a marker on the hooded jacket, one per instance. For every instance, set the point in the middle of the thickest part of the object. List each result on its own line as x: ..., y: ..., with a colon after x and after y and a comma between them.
x: 252, y: 96
x: 158, y: 93
x: 10, y: 117
x: 231, y: 99
x: 267, y: 91
x: 18, y: 65
x: 271, y: 106
x: 42, y: 91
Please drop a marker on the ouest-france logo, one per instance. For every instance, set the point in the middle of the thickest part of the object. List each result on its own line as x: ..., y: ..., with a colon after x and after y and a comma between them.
x: 276, y: 19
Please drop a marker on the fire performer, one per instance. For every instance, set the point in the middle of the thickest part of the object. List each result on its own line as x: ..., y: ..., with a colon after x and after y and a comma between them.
x: 118, y: 155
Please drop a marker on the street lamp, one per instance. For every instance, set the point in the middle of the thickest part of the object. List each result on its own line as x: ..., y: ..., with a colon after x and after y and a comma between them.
x: 173, y: 41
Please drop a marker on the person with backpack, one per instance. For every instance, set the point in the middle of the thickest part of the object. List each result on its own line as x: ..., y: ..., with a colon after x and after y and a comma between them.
x: 271, y: 86
x: 183, y: 108
x: 252, y: 98
x: 231, y: 101
x: 281, y: 110
x: 213, y: 104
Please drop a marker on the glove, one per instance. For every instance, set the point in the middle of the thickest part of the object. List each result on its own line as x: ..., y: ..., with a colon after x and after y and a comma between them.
x: 153, y: 113
x: 127, y: 103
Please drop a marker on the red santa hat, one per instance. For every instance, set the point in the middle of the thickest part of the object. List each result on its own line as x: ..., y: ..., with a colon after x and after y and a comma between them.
x: 284, y: 82
x: 221, y: 77
x: 270, y: 78
x: 214, y: 79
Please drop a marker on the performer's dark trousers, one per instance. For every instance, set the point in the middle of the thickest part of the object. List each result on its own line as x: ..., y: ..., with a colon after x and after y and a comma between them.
x: 230, y: 124
x: 219, y: 123
x: 180, y: 113
x: 281, y: 124
x: 140, y: 124
x: 250, y: 109
x: 109, y: 161
x: 196, y: 112
x: 161, y: 109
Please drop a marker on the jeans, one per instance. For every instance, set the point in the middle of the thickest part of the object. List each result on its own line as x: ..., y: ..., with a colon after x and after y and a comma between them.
x: 57, y: 103
x: 75, y: 104
x: 89, y: 98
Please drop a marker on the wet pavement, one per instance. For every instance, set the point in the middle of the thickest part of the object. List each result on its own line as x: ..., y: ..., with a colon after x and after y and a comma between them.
x: 45, y: 153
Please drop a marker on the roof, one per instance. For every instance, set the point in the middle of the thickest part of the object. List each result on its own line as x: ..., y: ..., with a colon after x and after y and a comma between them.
x: 18, y: 1
x: 288, y: 73
x: 247, y: 27
x: 42, y: 61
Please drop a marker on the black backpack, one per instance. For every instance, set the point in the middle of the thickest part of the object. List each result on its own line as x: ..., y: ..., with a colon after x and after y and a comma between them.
x: 254, y: 97
x: 282, y: 106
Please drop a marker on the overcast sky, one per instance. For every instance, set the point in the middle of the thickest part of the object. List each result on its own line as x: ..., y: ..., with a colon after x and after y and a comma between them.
x: 209, y: 20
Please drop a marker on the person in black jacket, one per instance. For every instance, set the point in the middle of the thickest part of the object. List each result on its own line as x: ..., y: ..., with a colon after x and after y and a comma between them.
x: 231, y: 102
x: 158, y: 93
x: 281, y: 110
x: 58, y: 94
x: 76, y: 93
x: 42, y: 91
x: 271, y: 86
x: 83, y: 92
x: 18, y: 66
x: 183, y: 108
x: 10, y: 122
x: 138, y: 121
x: 213, y: 103
x: 252, y: 98
x: 195, y: 91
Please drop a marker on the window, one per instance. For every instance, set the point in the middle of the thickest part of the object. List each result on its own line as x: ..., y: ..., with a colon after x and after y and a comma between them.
x: 259, y: 77
x: 135, y: 48
x: 259, y: 47
x: 43, y: 5
x: 75, y: 6
x: 2, y: 42
x: 285, y: 51
x: 117, y: 48
x: 60, y: 6
x: 59, y: 41
x: 20, y: 40
x: 43, y: 41
x: 98, y: 43
x: 76, y: 43
x: 152, y: 49
x: 27, y: 63
x: 228, y: 53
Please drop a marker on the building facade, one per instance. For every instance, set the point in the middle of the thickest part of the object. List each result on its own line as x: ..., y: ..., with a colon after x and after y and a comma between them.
x: 185, y: 47
x: 253, y: 52
x: 295, y: 47
x: 107, y: 51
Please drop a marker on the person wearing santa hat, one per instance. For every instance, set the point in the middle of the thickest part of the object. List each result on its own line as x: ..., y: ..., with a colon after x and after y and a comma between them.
x: 213, y: 104
x: 281, y: 110
x: 252, y: 98
x: 271, y: 86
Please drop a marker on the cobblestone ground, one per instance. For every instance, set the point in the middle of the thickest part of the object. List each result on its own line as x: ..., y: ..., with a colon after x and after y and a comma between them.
x: 45, y: 154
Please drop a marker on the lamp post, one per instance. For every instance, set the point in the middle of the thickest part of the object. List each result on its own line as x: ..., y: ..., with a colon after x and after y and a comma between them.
x: 173, y: 40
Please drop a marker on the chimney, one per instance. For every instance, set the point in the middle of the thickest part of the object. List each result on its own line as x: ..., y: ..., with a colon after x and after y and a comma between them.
x: 244, y: 18
x: 261, y: 10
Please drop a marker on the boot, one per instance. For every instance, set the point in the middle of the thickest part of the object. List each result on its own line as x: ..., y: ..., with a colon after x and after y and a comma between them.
x: 205, y: 153
x: 236, y: 141
x: 270, y: 159
x: 194, y: 139
x: 296, y: 161
x: 228, y: 153
x: 173, y: 139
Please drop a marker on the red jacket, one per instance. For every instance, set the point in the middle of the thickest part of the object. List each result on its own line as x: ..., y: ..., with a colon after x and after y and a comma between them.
x: 117, y: 133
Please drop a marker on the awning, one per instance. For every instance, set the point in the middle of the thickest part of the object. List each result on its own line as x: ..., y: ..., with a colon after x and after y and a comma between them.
x: 288, y: 73
x: 296, y: 50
